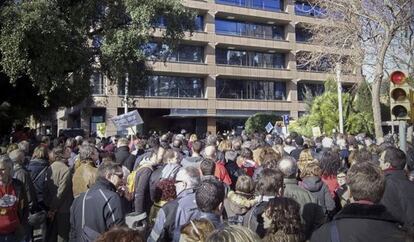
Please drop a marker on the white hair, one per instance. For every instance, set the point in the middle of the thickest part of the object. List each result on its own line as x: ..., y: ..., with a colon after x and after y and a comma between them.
x: 288, y: 166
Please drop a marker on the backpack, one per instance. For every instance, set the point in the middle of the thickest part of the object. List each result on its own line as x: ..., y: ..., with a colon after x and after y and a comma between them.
x: 131, y: 177
x: 254, y: 220
x: 170, y: 210
x: 9, y: 207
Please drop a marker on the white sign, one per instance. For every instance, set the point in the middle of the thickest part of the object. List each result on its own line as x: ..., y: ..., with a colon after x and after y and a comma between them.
x: 269, y: 127
x: 316, y: 131
x: 127, y: 120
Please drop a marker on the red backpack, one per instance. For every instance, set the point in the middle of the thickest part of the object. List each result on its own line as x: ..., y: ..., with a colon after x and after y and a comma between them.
x: 9, y: 205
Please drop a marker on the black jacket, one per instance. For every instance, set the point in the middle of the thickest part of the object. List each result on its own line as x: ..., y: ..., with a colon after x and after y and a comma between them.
x: 398, y: 196
x: 142, y: 196
x: 361, y: 222
x: 103, y: 209
x: 125, y: 158
x: 37, y: 169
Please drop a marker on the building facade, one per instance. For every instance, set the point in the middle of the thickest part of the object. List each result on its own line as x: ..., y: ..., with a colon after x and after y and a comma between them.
x: 240, y: 60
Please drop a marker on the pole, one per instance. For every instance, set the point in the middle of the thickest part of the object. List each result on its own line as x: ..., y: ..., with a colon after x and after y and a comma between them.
x: 403, y: 135
x: 338, y: 80
x: 126, y: 93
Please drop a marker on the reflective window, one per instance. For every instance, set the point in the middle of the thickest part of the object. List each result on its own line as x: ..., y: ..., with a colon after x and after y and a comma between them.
x: 184, y: 53
x: 161, y: 22
x: 304, y: 63
x: 261, y: 31
x: 302, y: 34
x: 250, y: 89
x: 269, y: 5
x: 250, y: 58
x: 306, y: 9
x: 311, y: 89
x: 97, y: 83
x: 170, y: 86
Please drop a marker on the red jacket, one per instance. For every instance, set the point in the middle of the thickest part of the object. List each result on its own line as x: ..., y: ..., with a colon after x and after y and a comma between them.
x: 221, y: 173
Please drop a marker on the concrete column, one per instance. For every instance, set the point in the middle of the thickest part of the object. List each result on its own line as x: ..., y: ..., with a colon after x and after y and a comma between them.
x: 290, y: 33
x: 210, y: 55
x: 86, y: 121
x: 209, y: 21
x: 290, y: 6
x: 292, y: 90
x: 110, y: 127
x: 210, y: 87
x: 291, y: 61
x: 211, y: 125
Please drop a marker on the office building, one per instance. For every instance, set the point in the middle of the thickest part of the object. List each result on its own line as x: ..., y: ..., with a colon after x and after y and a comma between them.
x: 240, y: 60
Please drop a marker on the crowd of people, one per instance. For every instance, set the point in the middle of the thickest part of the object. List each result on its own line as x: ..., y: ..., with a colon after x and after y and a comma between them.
x: 180, y: 187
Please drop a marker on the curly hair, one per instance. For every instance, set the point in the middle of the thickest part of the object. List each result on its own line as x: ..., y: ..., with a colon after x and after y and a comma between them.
x: 165, y: 190
x: 120, y: 234
x: 310, y: 169
x: 285, y: 224
x: 330, y: 163
x: 268, y: 153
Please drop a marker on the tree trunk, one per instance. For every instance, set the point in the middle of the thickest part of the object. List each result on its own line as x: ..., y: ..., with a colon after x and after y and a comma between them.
x: 376, y: 108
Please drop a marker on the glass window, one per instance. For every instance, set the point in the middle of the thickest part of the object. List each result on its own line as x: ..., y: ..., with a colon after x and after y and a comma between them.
x: 161, y: 22
x: 184, y: 53
x: 311, y: 89
x: 251, y: 89
x: 278, y: 32
x: 171, y: 86
x: 269, y: 5
x: 261, y: 31
x: 188, y: 53
x: 97, y: 83
x: 250, y: 58
x: 199, y: 23
x: 302, y: 34
x: 306, y: 9
x: 227, y: 27
x: 279, y: 60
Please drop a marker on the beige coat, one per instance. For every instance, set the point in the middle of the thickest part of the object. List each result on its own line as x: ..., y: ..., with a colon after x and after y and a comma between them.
x: 58, y: 194
x: 84, y: 177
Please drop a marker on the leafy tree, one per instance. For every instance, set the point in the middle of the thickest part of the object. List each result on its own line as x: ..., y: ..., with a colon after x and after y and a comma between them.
x: 324, y: 113
x: 54, y: 46
x: 363, y: 33
x: 258, y: 122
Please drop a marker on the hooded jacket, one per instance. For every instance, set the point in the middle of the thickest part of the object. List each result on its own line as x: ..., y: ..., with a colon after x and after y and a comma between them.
x: 236, y: 204
x: 320, y: 191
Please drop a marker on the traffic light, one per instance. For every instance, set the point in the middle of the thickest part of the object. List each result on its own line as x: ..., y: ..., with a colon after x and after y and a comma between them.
x: 400, y: 96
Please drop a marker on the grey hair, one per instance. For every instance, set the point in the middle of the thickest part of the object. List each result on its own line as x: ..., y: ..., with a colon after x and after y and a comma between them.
x: 108, y: 168
x: 24, y: 146
x: 7, y: 162
x: 288, y: 166
x: 86, y: 152
x: 210, y: 151
x: 122, y: 142
x: 190, y: 175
